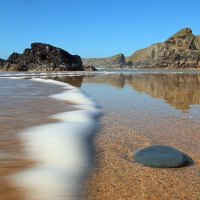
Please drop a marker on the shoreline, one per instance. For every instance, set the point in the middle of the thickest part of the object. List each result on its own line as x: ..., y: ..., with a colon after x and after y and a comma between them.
x: 132, y: 121
x: 12, y: 157
x: 48, y: 162
x: 127, y: 127
x: 117, y: 176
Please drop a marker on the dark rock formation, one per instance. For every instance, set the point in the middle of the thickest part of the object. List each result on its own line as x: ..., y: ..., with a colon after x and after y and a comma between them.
x: 116, y: 61
x: 180, y: 51
x: 2, y: 62
x: 161, y: 156
x: 89, y: 68
x: 43, y: 57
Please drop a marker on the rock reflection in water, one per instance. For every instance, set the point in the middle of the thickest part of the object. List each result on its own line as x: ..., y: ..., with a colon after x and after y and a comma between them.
x: 178, y: 90
x: 72, y: 80
x: 116, y: 80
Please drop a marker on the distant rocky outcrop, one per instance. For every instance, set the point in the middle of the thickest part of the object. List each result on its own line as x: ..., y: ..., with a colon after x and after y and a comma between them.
x: 43, y: 57
x: 2, y: 62
x: 89, y: 68
x: 180, y: 51
x: 116, y: 61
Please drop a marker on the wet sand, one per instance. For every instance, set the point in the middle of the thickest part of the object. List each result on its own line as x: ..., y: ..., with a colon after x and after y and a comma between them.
x: 25, y: 104
x: 117, y: 176
x: 126, y: 128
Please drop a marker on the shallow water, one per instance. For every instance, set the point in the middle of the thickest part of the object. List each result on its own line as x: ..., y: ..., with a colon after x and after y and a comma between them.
x: 177, y: 93
x: 57, y: 145
x: 148, y: 103
x: 141, y: 107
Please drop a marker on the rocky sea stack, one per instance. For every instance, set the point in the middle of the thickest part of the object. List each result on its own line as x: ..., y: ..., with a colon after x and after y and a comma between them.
x: 180, y: 51
x: 43, y: 57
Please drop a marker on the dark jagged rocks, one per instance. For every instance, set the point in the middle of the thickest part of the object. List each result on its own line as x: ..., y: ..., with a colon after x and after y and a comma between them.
x: 180, y: 51
x: 161, y: 157
x: 2, y: 62
x: 43, y: 57
x: 89, y: 68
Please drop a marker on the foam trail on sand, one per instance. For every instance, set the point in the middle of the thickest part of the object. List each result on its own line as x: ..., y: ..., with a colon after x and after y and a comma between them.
x: 61, y: 150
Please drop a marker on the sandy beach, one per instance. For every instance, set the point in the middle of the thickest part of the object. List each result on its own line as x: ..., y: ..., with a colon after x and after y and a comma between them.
x: 125, y: 127
x: 117, y: 176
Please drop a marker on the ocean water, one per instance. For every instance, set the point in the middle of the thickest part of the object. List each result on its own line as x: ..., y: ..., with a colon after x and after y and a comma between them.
x: 62, y: 149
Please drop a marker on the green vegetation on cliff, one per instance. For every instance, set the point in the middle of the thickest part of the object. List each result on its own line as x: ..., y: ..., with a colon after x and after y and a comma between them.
x: 115, y: 61
x: 134, y: 57
x: 180, y: 51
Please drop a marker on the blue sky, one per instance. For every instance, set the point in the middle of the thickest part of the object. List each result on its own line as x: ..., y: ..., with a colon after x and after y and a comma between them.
x: 93, y: 28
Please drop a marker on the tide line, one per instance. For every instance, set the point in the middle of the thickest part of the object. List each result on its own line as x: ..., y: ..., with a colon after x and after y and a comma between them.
x: 61, y: 150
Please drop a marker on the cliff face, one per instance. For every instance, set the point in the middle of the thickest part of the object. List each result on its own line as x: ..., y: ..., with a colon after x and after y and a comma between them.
x: 197, y: 42
x: 2, y: 62
x: 180, y: 51
x: 43, y: 57
x: 116, y: 61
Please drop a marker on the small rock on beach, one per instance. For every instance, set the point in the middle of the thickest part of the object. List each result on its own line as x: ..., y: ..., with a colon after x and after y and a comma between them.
x: 161, y: 156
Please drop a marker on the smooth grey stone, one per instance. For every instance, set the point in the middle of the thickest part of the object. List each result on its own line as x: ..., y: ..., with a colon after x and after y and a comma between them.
x: 161, y: 156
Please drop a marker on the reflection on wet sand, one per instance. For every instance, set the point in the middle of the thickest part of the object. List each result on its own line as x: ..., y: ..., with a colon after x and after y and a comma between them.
x: 178, y: 90
x: 116, y: 80
x: 72, y: 80
x: 129, y: 125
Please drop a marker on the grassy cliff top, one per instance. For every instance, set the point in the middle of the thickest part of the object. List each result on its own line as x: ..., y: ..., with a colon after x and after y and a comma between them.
x: 112, y: 60
x: 185, y: 32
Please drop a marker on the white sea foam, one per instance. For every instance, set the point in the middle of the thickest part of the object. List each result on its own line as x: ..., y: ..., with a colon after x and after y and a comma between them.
x: 48, y: 74
x: 60, y: 150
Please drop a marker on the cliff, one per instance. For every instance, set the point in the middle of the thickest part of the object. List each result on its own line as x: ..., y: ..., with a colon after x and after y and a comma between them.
x: 2, y: 62
x: 43, y: 57
x: 180, y: 51
x: 116, y: 61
